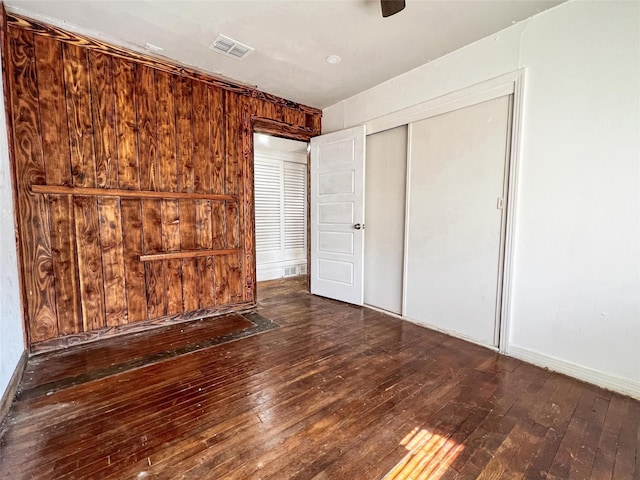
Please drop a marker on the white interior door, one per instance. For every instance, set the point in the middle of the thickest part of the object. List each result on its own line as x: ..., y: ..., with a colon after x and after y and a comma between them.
x: 385, y: 199
x: 455, y: 220
x: 337, y: 215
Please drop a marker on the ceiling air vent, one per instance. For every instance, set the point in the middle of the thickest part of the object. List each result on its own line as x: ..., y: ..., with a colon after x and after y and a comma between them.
x: 231, y: 48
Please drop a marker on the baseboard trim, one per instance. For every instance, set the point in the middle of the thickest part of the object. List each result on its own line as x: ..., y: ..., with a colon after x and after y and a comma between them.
x: 596, y: 377
x: 12, y: 387
x: 446, y: 332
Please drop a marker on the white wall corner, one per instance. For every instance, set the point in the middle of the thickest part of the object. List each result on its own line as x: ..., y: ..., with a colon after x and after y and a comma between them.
x: 333, y: 118
x: 589, y: 375
x: 11, y: 327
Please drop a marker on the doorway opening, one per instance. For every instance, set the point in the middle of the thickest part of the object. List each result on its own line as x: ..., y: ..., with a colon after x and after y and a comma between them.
x: 280, y: 191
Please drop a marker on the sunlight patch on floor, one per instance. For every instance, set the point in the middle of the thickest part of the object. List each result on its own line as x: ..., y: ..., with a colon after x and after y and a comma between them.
x: 429, y: 456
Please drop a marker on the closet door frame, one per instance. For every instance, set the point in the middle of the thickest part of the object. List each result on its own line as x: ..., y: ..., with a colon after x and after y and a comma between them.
x: 509, y: 84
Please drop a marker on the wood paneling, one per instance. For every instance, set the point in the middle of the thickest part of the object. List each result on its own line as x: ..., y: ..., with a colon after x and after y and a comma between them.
x: 232, y: 173
x: 55, y: 145
x: 134, y: 181
x: 33, y: 210
x: 186, y: 183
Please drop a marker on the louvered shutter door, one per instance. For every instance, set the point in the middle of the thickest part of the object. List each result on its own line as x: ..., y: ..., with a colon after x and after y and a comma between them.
x: 268, y: 205
x: 281, y: 216
x: 295, y: 211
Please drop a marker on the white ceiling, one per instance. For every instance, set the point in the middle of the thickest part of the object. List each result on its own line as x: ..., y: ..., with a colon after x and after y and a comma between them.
x: 291, y: 38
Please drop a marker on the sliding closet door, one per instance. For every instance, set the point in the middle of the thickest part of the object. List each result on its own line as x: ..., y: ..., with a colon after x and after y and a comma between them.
x: 385, y: 200
x: 457, y: 183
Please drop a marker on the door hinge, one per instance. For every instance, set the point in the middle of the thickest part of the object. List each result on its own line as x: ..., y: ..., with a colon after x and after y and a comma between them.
x: 500, y: 203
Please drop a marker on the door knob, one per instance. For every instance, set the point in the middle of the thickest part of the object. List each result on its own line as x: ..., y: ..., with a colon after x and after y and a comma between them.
x: 357, y: 226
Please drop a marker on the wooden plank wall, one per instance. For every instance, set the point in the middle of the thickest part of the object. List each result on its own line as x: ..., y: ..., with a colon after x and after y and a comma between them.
x: 134, y: 180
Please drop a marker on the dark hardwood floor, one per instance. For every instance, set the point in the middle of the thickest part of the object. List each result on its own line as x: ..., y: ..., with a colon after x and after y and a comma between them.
x: 334, y: 392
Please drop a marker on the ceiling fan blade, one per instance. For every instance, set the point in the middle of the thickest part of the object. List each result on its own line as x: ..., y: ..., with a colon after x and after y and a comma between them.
x: 391, y: 7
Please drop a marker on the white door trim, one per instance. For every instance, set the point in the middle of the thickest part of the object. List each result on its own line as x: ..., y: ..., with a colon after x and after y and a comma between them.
x: 512, y: 200
x: 480, y: 92
x: 407, y: 190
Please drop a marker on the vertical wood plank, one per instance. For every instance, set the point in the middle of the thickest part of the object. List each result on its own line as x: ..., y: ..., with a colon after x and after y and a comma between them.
x: 76, y: 78
x: 247, y: 261
x: 261, y: 108
x: 278, y: 112
x: 89, y: 262
x: 56, y: 154
x: 173, y: 267
x: 168, y: 169
x: 110, y: 216
x: 221, y: 275
x: 124, y: 75
x: 149, y: 172
x: 294, y: 117
x: 232, y: 124
x: 184, y: 134
x: 232, y: 129
x: 317, y: 124
x: 53, y: 110
x: 134, y: 269
x: 205, y: 264
x: 103, y: 110
x: 147, y: 128
x: 203, y: 167
x: 216, y: 122
x: 206, y: 285
x: 235, y: 278
x: 202, y: 161
x: 270, y: 110
x: 168, y: 182
x: 109, y: 213
x: 65, y: 264
x: 186, y: 182
x: 154, y: 271
x: 219, y: 225
x: 83, y: 171
x: 129, y: 178
x: 218, y: 210
x: 35, y: 242
x: 233, y: 112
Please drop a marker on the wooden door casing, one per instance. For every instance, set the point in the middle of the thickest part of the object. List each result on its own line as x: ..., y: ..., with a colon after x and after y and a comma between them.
x: 134, y: 185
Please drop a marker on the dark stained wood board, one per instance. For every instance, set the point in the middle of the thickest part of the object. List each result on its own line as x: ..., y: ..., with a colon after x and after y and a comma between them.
x: 89, y: 362
x: 134, y: 180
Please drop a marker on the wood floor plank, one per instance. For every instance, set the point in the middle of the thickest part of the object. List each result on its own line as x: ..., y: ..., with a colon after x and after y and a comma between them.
x: 336, y: 392
x: 625, y: 465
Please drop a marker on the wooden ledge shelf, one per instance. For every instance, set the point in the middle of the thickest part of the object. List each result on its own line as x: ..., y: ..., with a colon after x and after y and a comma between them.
x: 114, y: 192
x: 187, y: 254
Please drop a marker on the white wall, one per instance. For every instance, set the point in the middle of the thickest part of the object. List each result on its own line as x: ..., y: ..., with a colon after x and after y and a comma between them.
x: 576, y: 284
x: 11, y: 336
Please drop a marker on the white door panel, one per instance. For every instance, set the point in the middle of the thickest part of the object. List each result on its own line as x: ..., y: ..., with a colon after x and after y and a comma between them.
x: 337, y: 204
x: 454, y: 234
x: 385, y: 201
